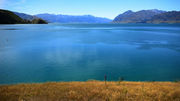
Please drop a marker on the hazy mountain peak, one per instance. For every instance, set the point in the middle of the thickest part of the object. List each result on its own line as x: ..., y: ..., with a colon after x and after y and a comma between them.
x: 128, y: 12
x: 139, y: 16
x: 148, y: 16
x: 155, y: 10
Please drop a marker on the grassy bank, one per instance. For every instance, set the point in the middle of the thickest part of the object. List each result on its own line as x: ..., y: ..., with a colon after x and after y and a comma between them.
x: 92, y: 91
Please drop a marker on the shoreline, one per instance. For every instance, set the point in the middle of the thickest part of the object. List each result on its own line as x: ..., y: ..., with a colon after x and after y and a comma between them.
x: 91, y: 90
x: 90, y: 80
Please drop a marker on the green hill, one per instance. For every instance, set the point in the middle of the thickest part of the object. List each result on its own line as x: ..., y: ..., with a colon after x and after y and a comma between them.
x: 8, y: 17
x: 38, y: 21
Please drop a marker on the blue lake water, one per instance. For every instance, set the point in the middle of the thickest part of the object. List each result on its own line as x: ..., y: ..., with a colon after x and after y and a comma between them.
x: 79, y: 52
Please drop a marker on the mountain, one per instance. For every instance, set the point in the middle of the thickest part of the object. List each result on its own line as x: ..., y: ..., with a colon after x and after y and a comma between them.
x: 9, y: 17
x: 167, y: 17
x: 72, y: 19
x: 25, y: 16
x: 136, y: 17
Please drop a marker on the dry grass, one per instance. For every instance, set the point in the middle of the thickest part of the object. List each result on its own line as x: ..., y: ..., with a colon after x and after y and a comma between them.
x: 92, y: 91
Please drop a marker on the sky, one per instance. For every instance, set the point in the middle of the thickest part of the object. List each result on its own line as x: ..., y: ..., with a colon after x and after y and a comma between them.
x: 100, y: 8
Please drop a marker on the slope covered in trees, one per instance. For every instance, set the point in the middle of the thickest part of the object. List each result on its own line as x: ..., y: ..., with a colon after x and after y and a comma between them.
x: 8, y: 17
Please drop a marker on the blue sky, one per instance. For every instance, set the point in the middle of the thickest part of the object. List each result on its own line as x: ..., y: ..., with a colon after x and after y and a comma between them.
x: 101, y: 8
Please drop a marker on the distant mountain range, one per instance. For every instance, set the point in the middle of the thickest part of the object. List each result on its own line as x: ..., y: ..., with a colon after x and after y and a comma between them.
x: 73, y: 19
x: 51, y: 18
x: 143, y: 16
x: 26, y: 16
x: 148, y: 16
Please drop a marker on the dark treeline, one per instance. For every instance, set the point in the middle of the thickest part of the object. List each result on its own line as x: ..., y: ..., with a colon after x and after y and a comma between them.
x: 8, y: 17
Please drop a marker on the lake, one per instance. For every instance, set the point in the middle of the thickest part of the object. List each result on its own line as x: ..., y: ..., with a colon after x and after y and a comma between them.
x: 81, y: 52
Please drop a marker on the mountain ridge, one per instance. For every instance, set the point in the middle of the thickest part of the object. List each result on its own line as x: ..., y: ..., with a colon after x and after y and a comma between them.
x: 136, y: 17
x: 142, y: 16
x: 60, y: 18
x: 167, y: 17
x: 26, y: 16
x: 148, y: 16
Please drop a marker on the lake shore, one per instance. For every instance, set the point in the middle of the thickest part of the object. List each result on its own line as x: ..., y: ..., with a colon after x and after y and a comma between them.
x: 92, y: 91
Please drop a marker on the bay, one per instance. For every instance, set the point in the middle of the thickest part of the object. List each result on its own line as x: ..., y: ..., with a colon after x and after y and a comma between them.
x: 80, y: 52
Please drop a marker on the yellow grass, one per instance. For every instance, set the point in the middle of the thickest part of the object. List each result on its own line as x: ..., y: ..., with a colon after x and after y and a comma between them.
x: 92, y: 91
